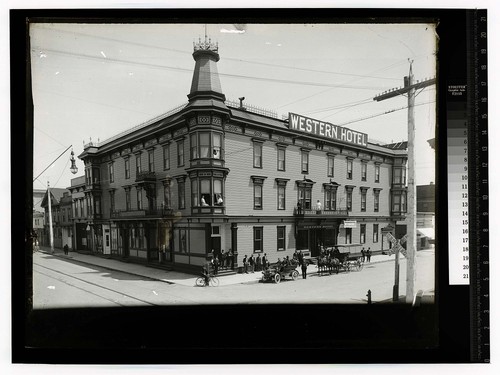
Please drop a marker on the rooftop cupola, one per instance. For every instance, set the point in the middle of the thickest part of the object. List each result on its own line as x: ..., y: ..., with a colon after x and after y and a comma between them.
x: 206, y: 82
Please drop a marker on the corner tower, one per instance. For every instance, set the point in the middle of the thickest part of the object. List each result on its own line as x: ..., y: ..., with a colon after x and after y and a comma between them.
x: 206, y: 115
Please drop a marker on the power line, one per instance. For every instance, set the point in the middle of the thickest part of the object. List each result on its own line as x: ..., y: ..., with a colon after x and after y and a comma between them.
x: 225, y: 58
x: 383, y: 113
x: 238, y: 76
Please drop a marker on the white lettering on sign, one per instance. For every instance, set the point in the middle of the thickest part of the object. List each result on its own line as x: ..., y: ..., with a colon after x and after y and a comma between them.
x: 327, y: 130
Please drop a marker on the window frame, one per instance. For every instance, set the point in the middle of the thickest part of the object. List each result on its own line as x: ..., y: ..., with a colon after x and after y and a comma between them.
x: 377, y: 173
x: 151, y: 161
x: 258, y: 146
x: 350, y: 167
x: 127, y: 168
x: 375, y: 233
x: 111, y: 172
x: 166, y: 157
x: 180, y: 153
x: 281, y: 150
x: 364, y: 170
x: 258, y: 229
x: 304, y: 161
x: 278, y: 238
x: 330, y: 165
x: 362, y: 233
x: 181, y: 194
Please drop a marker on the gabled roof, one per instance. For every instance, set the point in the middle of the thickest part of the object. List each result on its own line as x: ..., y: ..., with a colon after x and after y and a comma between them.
x: 55, y: 196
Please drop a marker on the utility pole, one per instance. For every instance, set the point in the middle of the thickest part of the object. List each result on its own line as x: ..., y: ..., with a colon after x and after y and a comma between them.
x: 51, y: 231
x: 410, y: 88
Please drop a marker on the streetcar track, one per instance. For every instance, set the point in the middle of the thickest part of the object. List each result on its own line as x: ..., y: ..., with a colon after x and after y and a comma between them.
x: 90, y: 283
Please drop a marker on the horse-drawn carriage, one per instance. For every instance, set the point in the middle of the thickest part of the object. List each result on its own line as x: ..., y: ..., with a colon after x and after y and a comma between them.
x: 336, y: 261
x: 276, y: 272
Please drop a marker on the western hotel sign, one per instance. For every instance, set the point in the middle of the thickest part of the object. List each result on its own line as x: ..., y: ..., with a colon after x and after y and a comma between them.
x: 327, y: 130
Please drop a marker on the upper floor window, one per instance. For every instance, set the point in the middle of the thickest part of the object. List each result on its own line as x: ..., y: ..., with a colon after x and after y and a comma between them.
x: 364, y: 166
x: 349, y: 169
x: 257, y: 197
x: 206, y: 145
x: 331, y: 160
x: 139, y: 199
x: 181, y: 191
x: 166, y: 157
x: 349, y: 197
x: 377, y: 173
x: 257, y: 155
x: 305, y: 193
x: 166, y: 194
x: 127, y: 168
x: 112, y: 200
x: 376, y: 200
x: 399, y: 176
x: 281, y: 197
x: 180, y: 153
x: 281, y: 159
x: 207, y: 192
x: 151, y: 161
x: 363, y: 199
x: 127, y: 199
x: 399, y: 201
x: 111, y: 170
x: 138, y: 165
x: 304, y: 158
x: 330, y: 198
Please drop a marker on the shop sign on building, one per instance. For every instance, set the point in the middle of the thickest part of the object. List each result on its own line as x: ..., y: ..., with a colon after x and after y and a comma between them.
x: 327, y: 130
x: 350, y: 224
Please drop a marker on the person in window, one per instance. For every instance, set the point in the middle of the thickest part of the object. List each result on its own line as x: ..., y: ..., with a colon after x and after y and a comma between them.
x: 219, y: 200
x: 318, y: 205
x: 203, y: 203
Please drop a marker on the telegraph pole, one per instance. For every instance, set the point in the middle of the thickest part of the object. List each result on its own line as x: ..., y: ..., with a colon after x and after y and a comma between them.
x: 51, y: 231
x: 410, y: 88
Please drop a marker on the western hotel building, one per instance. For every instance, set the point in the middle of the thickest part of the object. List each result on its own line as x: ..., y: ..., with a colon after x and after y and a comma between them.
x: 218, y: 175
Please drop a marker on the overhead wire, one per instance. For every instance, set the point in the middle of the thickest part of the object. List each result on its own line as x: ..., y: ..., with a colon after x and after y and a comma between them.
x: 225, y: 58
x: 238, y: 76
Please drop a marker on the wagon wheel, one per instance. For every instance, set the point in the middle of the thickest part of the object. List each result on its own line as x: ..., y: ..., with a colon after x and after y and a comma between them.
x: 295, y: 275
x: 200, y: 281
x: 360, y: 266
x: 347, y: 266
x: 277, y: 278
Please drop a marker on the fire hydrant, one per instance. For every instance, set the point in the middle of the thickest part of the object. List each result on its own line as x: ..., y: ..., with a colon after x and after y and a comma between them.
x: 369, y: 295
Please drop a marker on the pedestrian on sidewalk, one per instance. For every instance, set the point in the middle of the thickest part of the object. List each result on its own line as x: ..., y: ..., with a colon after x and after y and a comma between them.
x: 223, y: 260
x: 245, y: 264
x: 258, y: 263
x: 230, y: 259
x: 304, y: 268
x: 363, y: 254
x: 66, y: 249
x: 368, y: 255
x: 264, y: 262
x: 251, y: 262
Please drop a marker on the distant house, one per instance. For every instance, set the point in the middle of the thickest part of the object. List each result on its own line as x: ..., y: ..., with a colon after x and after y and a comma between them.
x: 60, y: 200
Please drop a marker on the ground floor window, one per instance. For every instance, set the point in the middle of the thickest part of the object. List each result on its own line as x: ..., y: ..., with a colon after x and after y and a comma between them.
x: 362, y: 233
x: 375, y: 232
x: 281, y: 237
x: 348, y: 236
x: 258, y: 239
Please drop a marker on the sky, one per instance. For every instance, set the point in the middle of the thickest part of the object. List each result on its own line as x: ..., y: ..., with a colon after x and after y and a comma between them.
x: 93, y: 81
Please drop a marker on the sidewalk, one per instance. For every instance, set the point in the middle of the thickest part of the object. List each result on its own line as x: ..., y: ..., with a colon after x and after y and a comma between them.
x: 172, y: 277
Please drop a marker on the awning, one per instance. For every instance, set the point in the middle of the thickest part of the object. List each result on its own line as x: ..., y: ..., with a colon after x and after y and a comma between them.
x: 426, y: 232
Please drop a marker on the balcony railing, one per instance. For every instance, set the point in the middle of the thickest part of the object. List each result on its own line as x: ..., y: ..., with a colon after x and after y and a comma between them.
x: 154, y: 212
x: 146, y: 177
x: 208, y: 210
x: 324, y: 213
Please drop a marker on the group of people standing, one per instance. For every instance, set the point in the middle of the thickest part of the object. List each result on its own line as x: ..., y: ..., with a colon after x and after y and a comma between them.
x: 255, y: 264
x: 366, y: 255
x: 222, y: 260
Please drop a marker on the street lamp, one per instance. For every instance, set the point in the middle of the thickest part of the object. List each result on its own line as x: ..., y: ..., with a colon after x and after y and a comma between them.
x: 73, y: 168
